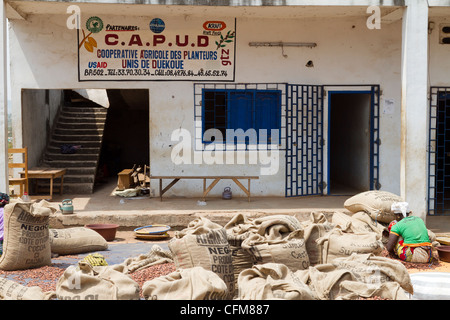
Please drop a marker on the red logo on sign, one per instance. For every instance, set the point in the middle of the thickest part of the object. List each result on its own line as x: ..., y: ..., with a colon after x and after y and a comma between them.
x: 214, y: 25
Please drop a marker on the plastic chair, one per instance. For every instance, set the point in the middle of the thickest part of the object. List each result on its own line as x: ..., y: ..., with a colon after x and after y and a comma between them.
x: 22, y: 180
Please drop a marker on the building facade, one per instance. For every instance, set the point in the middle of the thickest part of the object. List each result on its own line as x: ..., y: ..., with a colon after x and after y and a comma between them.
x: 315, y: 97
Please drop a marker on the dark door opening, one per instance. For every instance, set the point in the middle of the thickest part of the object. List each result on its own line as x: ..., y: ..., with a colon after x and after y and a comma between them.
x: 349, y: 154
x: 443, y: 158
x: 439, y: 155
x: 126, y: 134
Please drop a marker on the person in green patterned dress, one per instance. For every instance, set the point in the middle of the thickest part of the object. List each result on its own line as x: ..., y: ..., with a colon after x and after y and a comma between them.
x: 408, y: 237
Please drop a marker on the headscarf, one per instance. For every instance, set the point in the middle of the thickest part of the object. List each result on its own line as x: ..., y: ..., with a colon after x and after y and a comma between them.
x: 400, y: 207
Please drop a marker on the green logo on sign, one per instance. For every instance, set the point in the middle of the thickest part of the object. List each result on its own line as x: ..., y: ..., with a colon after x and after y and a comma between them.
x: 94, y: 24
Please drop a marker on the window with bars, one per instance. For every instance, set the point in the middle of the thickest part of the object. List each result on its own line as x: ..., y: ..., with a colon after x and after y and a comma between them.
x: 249, y: 113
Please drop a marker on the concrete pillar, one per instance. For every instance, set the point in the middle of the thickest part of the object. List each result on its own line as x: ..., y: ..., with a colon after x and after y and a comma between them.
x: 3, y: 103
x: 414, y: 107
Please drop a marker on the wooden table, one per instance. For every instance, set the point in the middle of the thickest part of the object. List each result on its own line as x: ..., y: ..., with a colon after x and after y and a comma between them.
x: 206, y: 190
x: 46, y: 173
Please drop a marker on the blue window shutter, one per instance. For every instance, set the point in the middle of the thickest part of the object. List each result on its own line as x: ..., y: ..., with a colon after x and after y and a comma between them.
x: 240, y: 115
x: 267, y: 113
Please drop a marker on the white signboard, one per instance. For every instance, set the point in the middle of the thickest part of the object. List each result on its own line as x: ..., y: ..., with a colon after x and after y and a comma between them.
x: 156, y: 48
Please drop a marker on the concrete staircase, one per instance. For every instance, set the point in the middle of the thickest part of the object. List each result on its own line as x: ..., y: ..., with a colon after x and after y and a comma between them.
x: 79, y: 122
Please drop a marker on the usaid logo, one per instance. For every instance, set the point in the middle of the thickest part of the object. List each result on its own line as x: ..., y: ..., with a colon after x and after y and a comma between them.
x: 214, y: 25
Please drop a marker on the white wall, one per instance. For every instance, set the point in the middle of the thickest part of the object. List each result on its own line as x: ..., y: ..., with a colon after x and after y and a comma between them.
x: 38, y: 116
x: 439, y: 64
x: 43, y: 54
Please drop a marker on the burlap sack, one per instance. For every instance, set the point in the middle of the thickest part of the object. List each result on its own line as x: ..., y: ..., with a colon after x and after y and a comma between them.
x: 312, y: 233
x: 85, y: 282
x: 420, y: 255
x: 26, y: 239
x: 434, y: 243
x: 240, y: 224
x: 76, y: 240
x: 338, y: 243
x: 11, y: 290
x: 371, y: 224
x: 289, y: 250
x: 272, y: 281
x: 376, y: 203
x: 199, y: 225
x: 263, y: 230
x: 275, y: 227
x: 431, y: 235
x: 315, y: 227
x: 350, y: 224
x: 314, y: 218
x: 156, y: 256
x: 359, y: 275
x: 238, y: 229
x: 376, y: 269
x: 352, y: 290
x: 205, y: 244
x: 194, y: 283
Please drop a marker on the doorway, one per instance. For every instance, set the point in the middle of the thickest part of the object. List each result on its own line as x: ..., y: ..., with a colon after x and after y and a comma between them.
x: 349, y: 142
x: 126, y: 135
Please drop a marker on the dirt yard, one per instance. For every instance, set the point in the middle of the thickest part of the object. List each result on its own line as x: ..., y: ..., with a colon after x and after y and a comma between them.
x: 436, y: 266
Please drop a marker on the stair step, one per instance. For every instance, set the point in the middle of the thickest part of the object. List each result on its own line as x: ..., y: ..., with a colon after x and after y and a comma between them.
x: 69, y: 188
x: 78, y: 178
x: 80, y: 125
x: 81, y: 171
x: 78, y: 188
x: 66, y: 117
x: 87, y: 115
x: 76, y: 132
x: 74, y: 119
x: 83, y: 109
x: 82, y: 150
x: 86, y: 144
x: 77, y: 139
x: 81, y: 115
x: 71, y: 156
x: 63, y: 121
x: 82, y: 104
x: 70, y: 163
x: 70, y: 179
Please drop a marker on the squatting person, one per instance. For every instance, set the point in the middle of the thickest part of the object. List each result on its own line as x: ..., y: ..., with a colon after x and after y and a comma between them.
x: 408, y: 236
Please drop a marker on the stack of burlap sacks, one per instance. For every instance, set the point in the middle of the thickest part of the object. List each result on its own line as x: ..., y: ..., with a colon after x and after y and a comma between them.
x: 286, y: 257
x: 326, y: 257
x: 29, y: 243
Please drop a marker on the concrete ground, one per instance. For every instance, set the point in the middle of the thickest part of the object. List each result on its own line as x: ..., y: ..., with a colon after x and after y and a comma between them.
x: 104, y: 207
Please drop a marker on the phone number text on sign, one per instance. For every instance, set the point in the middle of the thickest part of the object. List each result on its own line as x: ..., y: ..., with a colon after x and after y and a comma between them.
x: 156, y: 49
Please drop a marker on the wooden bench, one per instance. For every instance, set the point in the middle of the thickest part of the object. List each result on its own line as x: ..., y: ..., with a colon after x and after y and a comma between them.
x: 206, y: 190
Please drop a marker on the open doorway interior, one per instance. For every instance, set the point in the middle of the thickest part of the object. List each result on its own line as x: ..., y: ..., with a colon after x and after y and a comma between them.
x: 126, y: 134
x: 442, y: 156
x: 349, y: 143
